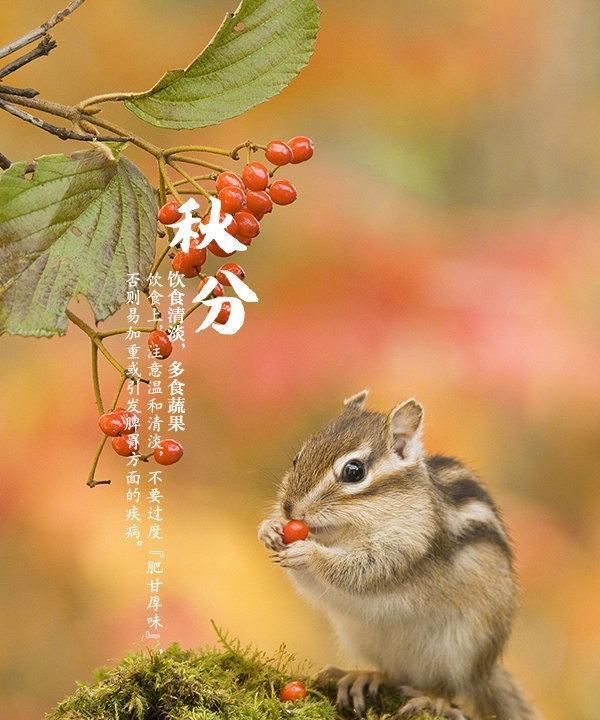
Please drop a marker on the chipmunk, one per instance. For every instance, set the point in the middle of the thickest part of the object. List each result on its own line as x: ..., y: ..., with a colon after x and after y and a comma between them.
x: 409, y: 557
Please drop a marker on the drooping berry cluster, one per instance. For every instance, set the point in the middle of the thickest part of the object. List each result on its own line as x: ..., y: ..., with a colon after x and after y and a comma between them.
x: 247, y: 198
x: 122, y: 425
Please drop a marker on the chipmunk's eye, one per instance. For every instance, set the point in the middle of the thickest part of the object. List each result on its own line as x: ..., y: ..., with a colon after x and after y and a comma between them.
x: 353, y: 471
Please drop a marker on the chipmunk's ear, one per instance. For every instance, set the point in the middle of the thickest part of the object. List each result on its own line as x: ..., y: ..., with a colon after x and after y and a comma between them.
x: 405, y: 427
x: 357, y: 402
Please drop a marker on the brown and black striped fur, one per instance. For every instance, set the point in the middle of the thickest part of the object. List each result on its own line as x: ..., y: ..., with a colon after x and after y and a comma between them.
x: 413, y: 564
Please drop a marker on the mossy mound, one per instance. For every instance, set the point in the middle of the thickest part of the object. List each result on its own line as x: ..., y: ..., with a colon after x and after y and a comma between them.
x: 229, y: 682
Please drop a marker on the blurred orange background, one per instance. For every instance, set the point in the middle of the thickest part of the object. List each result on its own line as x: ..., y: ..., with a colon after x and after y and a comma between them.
x: 444, y: 245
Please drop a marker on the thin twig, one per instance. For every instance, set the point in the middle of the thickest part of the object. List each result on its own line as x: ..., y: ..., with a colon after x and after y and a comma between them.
x: 74, y: 115
x: 5, y: 163
x: 91, y: 481
x: 190, y: 179
x: 195, y: 161
x: 95, y: 338
x: 162, y: 168
x: 21, y: 92
x: 96, y: 379
x: 61, y: 132
x: 40, y: 31
x: 44, y: 48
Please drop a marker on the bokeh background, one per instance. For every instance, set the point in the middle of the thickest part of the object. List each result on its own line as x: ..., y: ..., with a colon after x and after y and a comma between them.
x: 445, y: 245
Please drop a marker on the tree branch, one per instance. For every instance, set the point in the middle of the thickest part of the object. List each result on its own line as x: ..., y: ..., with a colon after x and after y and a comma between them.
x: 40, y: 31
x: 44, y: 48
x: 19, y: 92
x: 61, y: 132
x: 5, y: 163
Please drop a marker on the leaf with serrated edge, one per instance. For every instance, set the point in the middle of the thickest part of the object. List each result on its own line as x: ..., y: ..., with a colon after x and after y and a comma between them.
x: 257, y: 51
x: 79, y: 225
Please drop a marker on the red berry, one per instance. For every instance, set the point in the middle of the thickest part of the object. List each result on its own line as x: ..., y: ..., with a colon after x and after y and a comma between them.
x: 278, y: 152
x: 232, y: 199
x: 293, y: 691
x: 231, y: 228
x: 124, y: 445
x: 302, y: 148
x: 224, y: 313
x: 218, y: 290
x: 168, y: 452
x: 228, y: 179
x: 255, y: 176
x: 258, y: 203
x: 282, y: 192
x: 233, y: 268
x: 217, y: 250
x: 294, y: 530
x: 189, y: 263
x: 131, y: 421
x: 169, y: 213
x: 247, y: 225
x: 112, y: 423
x: 159, y: 344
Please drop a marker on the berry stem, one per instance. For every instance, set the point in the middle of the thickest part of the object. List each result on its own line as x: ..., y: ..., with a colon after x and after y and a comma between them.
x: 209, y: 176
x: 196, y: 148
x: 162, y: 168
x: 91, y: 481
x: 96, y: 379
x: 234, y: 154
x: 97, y: 341
x: 122, y: 331
x: 159, y: 259
x: 189, y: 179
x: 196, y: 161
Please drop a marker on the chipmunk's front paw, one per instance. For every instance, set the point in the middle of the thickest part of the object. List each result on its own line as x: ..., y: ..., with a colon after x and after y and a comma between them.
x: 438, y: 707
x: 269, y: 533
x: 295, y: 555
x: 352, y: 687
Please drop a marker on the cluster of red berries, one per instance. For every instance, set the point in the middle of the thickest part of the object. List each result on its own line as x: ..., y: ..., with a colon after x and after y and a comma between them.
x: 120, y: 424
x: 247, y: 198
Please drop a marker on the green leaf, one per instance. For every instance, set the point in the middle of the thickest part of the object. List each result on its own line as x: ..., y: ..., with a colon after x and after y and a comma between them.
x: 79, y: 225
x: 257, y: 51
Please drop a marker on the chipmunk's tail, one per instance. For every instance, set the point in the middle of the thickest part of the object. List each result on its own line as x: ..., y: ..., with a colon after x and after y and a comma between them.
x: 500, y: 698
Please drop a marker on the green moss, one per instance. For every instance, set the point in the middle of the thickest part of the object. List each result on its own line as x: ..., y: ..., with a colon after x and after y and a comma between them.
x: 229, y: 682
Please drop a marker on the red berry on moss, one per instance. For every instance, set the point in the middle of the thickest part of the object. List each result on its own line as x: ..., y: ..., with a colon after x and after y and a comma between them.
x: 282, y: 192
x: 228, y: 179
x: 168, y: 452
x: 278, y: 152
x: 302, y: 148
x: 217, y: 291
x: 259, y: 203
x: 232, y: 199
x: 159, y: 344
x: 247, y: 225
x: 233, y: 268
x: 293, y: 691
x: 224, y: 313
x: 124, y: 445
x: 255, y: 176
x: 294, y: 530
x: 169, y: 213
x: 112, y: 423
